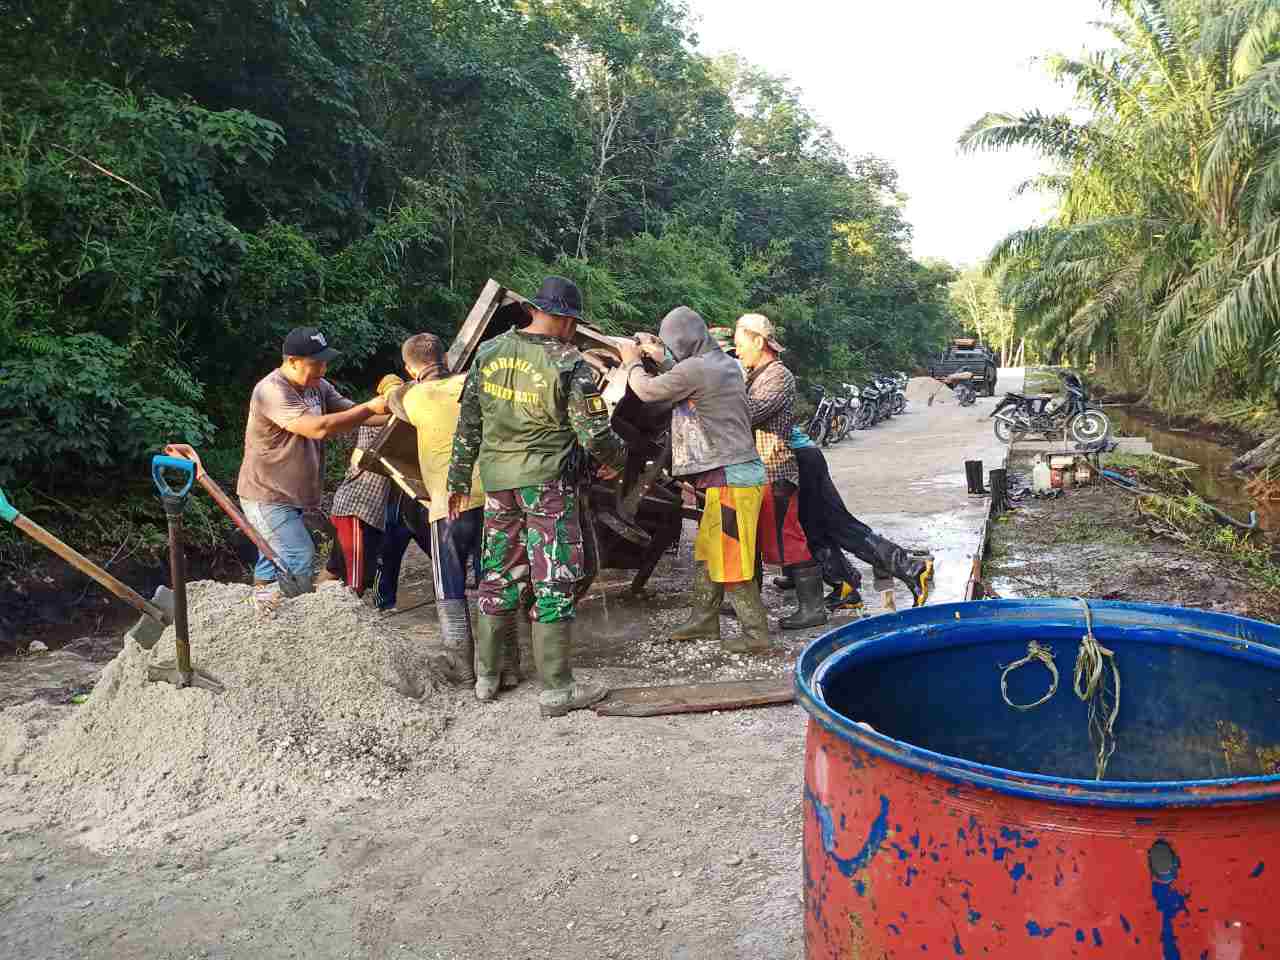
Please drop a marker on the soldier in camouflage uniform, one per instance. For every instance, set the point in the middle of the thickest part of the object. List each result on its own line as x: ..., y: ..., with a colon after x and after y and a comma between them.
x: 530, y: 407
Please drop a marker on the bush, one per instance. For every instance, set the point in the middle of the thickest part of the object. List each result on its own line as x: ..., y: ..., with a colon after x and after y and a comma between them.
x: 74, y: 402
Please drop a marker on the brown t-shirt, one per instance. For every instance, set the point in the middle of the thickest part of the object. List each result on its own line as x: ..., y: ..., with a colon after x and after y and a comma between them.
x: 279, y: 466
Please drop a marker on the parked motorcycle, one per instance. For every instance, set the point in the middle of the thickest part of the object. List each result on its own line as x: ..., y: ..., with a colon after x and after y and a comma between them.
x: 900, y: 381
x: 855, y: 405
x: 820, y: 422
x: 887, y: 397
x: 846, y: 407
x: 869, y: 411
x: 1017, y: 415
x: 961, y: 385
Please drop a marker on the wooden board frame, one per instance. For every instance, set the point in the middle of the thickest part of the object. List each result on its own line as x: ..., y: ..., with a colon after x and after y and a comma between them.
x: 394, y: 453
x: 696, y: 698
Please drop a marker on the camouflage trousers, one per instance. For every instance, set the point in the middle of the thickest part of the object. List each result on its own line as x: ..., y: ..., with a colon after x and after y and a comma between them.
x: 531, y: 534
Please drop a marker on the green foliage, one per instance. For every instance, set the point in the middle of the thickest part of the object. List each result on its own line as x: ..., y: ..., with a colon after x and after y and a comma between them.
x: 1161, y: 263
x: 687, y: 265
x: 71, y: 404
x: 980, y: 309
x: 181, y: 186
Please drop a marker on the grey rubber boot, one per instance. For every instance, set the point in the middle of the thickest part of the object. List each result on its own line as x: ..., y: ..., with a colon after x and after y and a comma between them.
x: 810, y: 610
x: 704, y: 618
x: 457, y: 663
x: 510, y: 675
x: 492, y: 633
x: 561, y: 693
x: 752, y: 617
x: 726, y: 608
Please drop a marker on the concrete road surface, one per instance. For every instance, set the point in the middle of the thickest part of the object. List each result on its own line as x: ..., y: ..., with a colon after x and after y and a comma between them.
x: 905, y: 478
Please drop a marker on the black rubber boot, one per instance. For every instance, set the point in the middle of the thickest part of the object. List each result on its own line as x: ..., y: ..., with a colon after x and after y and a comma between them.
x: 844, y: 599
x: 810, y: 610
x: 784, y: 583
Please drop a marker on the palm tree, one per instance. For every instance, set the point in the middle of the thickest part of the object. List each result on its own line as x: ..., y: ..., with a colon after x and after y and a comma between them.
x: 1164, y: 246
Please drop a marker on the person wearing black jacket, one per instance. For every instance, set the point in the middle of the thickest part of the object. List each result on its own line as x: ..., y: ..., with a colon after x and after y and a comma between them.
x: 831, y: 529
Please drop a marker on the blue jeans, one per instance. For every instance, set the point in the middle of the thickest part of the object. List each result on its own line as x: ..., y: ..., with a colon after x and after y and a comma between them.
x: 281, y: 526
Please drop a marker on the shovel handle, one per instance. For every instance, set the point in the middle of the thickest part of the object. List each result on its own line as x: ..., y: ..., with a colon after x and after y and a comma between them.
x: 238, y: 518
x: 86, y: 566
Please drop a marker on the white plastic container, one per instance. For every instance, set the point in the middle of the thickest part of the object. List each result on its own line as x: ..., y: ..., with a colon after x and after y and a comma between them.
x: 1041, y: 476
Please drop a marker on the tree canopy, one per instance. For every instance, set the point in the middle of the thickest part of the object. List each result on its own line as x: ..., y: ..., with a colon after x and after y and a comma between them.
x: 1164, y: 255
x: 181, y: 183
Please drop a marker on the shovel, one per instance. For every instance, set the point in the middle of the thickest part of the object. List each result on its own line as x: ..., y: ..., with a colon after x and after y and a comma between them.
x: 157, y: 613
x: 290, y: 585
x: 182, y: 673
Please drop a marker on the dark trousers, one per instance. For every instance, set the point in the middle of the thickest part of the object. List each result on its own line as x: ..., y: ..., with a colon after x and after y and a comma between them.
x: 831, y: 529
x: 455, y: 546
x: 406, y: 523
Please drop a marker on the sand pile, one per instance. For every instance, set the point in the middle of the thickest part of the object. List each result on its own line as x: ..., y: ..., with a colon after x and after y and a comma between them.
x: 920, y: 389
x: 327, y: 693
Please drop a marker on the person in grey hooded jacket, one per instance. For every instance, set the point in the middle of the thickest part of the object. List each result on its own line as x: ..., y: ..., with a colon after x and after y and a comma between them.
x: 713, y: 449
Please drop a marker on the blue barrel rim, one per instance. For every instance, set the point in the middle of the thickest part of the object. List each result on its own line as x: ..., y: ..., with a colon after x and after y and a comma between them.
x: 1243, y: 635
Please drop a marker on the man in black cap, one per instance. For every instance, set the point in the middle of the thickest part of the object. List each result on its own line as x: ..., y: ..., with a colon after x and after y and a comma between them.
x: 292, y: 411
x: 531, y: 410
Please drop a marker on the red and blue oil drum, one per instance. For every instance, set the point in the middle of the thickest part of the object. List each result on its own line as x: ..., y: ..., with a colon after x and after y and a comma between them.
x: 941, y: 822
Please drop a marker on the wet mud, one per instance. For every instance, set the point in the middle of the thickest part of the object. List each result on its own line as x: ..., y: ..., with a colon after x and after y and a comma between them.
x: 55, y: 604
x: 1213, y: 480
x: 1092, y: 543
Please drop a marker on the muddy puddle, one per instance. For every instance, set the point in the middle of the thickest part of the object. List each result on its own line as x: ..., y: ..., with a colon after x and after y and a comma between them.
x: 1213, y: 481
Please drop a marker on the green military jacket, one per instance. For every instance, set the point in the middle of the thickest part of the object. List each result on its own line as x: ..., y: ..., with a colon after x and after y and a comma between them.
x: 529, y: 401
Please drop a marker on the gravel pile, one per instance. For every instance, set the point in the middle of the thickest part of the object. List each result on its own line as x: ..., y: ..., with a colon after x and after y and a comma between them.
x: 327, y: 693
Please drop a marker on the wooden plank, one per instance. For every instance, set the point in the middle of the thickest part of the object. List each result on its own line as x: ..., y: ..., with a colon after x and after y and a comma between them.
x: 409, y: 481
x: 493, y: 297
x: 695, y: 698
x: 473, y: 327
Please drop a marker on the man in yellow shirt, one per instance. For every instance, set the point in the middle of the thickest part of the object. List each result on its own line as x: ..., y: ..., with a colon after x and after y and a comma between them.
x: 431, y: 404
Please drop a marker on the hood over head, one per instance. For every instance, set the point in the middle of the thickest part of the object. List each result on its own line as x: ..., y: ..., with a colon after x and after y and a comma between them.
x: 685, y: 333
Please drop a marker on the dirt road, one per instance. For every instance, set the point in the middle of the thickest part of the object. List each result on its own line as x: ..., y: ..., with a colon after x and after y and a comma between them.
x: 905, y: 478
x: 576, y: 838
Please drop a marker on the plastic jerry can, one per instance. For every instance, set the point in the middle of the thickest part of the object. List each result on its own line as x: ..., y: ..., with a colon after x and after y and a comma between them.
x: 1041, y: 476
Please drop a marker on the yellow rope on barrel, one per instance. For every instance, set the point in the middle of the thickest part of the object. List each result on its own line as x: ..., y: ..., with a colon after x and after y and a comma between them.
x: 1091, y: 686
x: 1103, y: 699
x: 1034, y: 652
